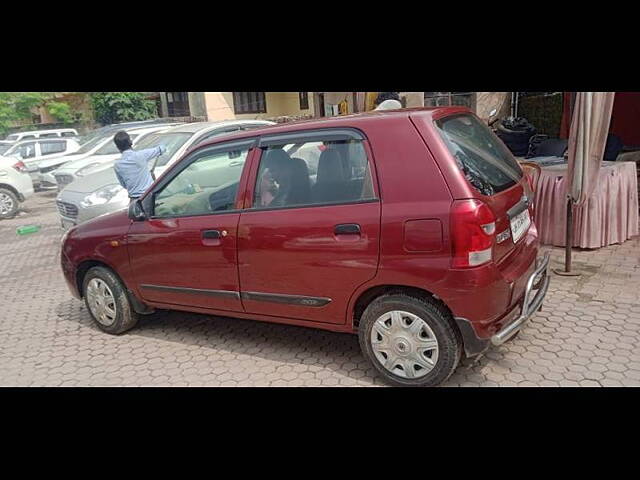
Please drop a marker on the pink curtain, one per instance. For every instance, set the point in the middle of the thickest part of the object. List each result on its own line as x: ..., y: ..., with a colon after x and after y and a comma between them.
x: 587, y: 140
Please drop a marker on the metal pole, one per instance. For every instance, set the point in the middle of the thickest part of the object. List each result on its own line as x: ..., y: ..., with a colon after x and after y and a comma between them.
x: 568, y: 243
x: 569, y: 236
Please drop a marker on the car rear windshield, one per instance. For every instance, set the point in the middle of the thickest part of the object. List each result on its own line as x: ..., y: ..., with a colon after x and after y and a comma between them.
x: 487, y: 164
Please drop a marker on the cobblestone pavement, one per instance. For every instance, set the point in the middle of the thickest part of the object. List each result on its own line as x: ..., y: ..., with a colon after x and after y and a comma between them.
x: 587, y: 333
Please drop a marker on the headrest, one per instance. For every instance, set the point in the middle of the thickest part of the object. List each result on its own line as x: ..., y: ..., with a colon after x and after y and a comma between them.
x: 330, y: 167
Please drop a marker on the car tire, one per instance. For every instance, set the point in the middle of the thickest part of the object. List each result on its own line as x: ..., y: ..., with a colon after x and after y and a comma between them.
x: 9, y: 203
x: 400, y: 329
x: 107, y: 301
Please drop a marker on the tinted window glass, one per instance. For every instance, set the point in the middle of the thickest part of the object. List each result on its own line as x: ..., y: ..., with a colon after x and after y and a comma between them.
x: 68, y: 134
x: 485, y: 161
x: 206, y: 186
x: 47, y: 135
x: 48, y: 148
x: 12, y: 137
x: 313, y: 173
x: 4, y: 148
x: 27, y: 137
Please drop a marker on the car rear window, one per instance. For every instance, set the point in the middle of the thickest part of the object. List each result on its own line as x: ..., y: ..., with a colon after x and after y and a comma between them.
x: 487, y: 164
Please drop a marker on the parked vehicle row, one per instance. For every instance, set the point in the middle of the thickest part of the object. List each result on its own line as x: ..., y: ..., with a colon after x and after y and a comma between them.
x: 91, y: 187
x: 412, y: 230
x: 40, y: 153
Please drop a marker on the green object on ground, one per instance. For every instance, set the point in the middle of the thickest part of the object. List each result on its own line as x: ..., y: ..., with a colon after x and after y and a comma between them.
x: 25, y: 229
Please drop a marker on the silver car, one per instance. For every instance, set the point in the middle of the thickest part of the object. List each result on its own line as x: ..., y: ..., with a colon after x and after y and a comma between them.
x: 106, y: 154
x: 99, y: 192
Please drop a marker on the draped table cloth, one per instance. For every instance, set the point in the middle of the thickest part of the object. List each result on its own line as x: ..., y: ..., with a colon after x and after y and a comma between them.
x: 609, y: 215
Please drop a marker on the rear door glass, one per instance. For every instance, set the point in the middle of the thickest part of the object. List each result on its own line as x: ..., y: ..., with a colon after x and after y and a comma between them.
x: 486, y: 162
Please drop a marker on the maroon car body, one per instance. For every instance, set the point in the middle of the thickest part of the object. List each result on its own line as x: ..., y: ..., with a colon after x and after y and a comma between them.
x: 293, y: 266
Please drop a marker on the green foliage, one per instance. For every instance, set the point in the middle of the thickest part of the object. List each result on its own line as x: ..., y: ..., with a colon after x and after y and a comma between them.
x: 114, y: 107
x: 16, y: 106
x: 61, y: 111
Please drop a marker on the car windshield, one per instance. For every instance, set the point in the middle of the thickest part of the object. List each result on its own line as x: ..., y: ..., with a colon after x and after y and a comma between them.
x: 91, y: 144
x: 12, y: 137
x: 4, y: 147
x: 173, y: 142
x: 482, y: 157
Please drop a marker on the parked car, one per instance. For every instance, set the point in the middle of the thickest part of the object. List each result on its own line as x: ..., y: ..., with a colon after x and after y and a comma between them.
x: 53, y: 133
x: 4, y: 146
x: 99, y: 192
x: 416, y: 234
x: 65, y: 173
x: 37, y: 154
x: 15, y: 186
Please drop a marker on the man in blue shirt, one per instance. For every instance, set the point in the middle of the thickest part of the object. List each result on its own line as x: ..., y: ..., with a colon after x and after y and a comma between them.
x: 132, y: 169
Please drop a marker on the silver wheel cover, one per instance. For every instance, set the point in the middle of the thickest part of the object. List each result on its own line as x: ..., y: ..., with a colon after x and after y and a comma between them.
x: 101, y: 302
x: 404, y: 344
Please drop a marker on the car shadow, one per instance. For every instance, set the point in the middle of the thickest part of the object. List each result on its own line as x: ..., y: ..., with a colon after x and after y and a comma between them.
x: 284, y: 344
x: 215, y: 335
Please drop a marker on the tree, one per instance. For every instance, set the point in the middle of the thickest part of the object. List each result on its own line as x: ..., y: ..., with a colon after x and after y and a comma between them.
x: 16, y: 106
x: 61, y: 111
x: 114, y: 107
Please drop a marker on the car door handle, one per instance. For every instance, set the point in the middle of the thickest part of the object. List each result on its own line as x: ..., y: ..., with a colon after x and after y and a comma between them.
x: 347, y: 229
x: 213, y: 238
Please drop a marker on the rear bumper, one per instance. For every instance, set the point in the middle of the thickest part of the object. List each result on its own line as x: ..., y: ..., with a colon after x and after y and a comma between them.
x: 535, y: 291
x: 539, y: 282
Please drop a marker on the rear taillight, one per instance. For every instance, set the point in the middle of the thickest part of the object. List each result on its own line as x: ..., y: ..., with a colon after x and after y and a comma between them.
x: 20, y: 166
x: 473, y: 228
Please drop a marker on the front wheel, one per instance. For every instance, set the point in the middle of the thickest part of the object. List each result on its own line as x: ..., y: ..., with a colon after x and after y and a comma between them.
x: 107, y: 301
x: 410, y: 340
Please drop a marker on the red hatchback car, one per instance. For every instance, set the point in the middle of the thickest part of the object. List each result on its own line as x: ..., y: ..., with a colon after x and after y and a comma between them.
x: 412, y: 228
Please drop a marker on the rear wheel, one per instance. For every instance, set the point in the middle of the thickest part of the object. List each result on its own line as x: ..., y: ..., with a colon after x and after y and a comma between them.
x: 411, y: 341
x: 107, y: 301
x: 9, y: 203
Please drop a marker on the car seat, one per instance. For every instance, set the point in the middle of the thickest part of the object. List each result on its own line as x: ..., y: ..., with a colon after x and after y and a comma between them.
x: 331, y: 184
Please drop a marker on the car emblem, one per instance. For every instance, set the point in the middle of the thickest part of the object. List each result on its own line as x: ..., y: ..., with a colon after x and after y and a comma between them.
x: 502, y: 236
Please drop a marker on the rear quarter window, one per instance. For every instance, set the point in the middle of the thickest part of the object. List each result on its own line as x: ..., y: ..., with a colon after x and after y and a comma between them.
x: 486, y: 163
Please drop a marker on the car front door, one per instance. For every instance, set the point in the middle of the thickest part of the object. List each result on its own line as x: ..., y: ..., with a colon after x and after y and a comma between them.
x: 185, y: 253
x: 306, y: 244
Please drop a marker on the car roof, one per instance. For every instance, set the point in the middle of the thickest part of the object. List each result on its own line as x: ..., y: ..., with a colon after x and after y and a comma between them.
x: 344, y: 121
x: 199, y: 126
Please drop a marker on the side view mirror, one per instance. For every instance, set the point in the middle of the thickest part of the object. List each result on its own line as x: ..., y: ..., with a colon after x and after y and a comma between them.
x: 136, y: 212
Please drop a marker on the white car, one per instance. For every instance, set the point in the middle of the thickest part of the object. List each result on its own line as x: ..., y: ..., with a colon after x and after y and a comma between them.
x: 15, y: 186
x: 4, y: 146
x: 105, y: 154
x: 99, y: 192
x: 53, y: 133
x: 36, y: 153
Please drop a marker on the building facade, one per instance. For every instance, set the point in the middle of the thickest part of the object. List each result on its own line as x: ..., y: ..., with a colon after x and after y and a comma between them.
x: 214, y: 106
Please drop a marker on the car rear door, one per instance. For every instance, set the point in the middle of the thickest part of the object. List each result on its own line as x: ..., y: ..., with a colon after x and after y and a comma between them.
x: 303, y: 254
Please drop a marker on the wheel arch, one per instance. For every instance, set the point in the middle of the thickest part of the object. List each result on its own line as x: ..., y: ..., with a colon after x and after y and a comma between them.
x: 83, y: 267
x: 12, y: 189
x: 463, y: 326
